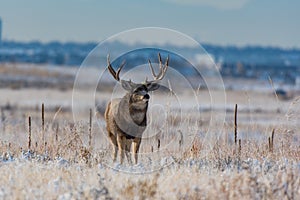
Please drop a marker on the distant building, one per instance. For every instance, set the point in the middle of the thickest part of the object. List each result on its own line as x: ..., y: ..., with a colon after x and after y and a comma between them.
x: 0, y: 30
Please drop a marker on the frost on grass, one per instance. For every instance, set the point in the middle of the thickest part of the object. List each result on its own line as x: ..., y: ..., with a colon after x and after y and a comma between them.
x: 171, y: 165
x: 210, y: 177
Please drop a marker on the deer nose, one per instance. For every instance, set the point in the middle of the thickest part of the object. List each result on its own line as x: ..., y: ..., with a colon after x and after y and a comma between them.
x: 146, y: 96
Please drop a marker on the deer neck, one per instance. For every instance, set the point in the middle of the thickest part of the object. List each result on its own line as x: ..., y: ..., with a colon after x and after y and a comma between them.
x: 137, y: 111
x: 129, y: 122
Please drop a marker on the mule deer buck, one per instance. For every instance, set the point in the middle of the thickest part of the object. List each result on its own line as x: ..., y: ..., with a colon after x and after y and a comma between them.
x: 126, y: 118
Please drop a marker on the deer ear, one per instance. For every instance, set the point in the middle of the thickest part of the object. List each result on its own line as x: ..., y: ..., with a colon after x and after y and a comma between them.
x: 127, y: 85
x: 152, y: 86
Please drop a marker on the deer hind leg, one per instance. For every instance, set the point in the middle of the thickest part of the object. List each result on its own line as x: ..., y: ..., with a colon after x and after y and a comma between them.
x: 121, y: 145
x: 136, y: 147
x: 127, y: 150
x: 113, y: 141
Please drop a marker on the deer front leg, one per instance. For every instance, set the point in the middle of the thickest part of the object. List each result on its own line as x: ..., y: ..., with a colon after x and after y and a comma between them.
x: 127, y: 151
x: 136, y: 147
x: 121, y: 145
x: 113, y: 141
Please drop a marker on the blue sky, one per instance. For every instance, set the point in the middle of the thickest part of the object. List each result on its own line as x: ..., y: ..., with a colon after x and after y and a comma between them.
x: 234, y: 22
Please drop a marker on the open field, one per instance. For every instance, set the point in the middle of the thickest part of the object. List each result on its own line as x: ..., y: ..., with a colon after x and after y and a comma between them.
x: 189, y: 151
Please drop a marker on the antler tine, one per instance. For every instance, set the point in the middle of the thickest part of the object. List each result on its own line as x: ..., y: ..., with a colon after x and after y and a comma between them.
x: 152, y: 70
x: 167, y: 61
x: 160, y: 61
x: 111, y: 70
x: 115, y: 74
x: 166, y: 66
x: 162, y: 68
x: 119, y: 70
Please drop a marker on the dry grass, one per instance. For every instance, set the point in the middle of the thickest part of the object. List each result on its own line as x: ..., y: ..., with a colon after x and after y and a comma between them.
x: 67, y: 160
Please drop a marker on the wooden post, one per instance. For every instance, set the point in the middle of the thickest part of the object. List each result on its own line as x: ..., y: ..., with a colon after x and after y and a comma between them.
x: 240, y: 147
x: 235, y: 124
x: 29, y: 133
x: 272, y: 139
x: 43, y: 125
x: 90, y: 129
x: 43, y: 117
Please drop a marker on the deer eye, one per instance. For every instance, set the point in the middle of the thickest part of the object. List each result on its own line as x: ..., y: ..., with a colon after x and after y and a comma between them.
x: 136, y: 91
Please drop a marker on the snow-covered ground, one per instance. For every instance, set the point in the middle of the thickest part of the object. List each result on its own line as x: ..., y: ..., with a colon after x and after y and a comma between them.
x: 188, y: 151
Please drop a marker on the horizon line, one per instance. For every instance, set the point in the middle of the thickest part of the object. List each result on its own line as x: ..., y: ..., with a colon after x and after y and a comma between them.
x: 242, y: 46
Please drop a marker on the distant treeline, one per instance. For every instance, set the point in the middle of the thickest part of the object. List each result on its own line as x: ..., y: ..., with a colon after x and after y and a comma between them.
x: 72, y: 53
x: 45, y: 53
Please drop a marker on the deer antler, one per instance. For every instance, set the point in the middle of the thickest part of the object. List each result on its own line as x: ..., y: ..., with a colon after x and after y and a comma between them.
x: 162, y: 68
x: 115, y: 74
